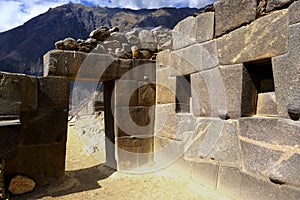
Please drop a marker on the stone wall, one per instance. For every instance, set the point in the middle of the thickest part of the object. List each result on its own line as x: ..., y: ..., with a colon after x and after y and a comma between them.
x: 34, y: 113
x: 237, y: 125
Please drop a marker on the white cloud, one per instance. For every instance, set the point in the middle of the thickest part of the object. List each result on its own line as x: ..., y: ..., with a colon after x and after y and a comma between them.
x: 16, y: 12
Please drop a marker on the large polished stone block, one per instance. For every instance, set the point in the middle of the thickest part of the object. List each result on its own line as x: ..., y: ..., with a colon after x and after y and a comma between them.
x: 245, y: 43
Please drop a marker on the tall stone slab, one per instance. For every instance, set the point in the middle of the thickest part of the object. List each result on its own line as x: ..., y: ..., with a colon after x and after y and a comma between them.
x: 264, y: 38
x: 286, y: 69
x: 231, y: 14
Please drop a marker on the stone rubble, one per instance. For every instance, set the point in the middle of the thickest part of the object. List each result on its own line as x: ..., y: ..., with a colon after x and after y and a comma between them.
x: 138, y: 43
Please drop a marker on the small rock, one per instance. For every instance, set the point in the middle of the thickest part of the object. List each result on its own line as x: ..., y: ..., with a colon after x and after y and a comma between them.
x: 112, y: 44
x: 66, y: 44
x: 114, y: 29
x: 21, y: 185
x: 119, y: 37
x: 146, y: 54
x: 136, y: 53
x: 277, y: 4
x: 100, y: 34
x: 133, y: 40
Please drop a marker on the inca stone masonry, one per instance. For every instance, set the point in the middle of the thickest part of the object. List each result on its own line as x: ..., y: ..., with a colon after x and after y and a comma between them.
x: 224, y: 102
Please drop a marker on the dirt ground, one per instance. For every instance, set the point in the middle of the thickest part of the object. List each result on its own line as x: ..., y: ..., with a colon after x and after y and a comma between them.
x: 88, y: 179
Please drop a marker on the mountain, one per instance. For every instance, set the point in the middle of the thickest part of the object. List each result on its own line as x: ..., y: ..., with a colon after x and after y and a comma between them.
x: 22, y: 48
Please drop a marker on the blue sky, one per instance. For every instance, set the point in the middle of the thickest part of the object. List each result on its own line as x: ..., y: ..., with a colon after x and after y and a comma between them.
x: 15, y: 12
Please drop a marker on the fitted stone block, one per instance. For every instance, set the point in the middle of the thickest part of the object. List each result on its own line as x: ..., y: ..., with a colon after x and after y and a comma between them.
x: 135, y: 121
x: 270, y: 145
x: 245, y: 43
x: 134, y: 152
x: 213, y: 139
x: 43, y: 127
x: 9, y: 137
x: 18, y: 92
x: 238, y: 185
x: 144, y: 70
x: 170, y: 125
x: 63, y: 63
x: 231, y: 14
x: 208, y: 93
x: 54, y: 93
x: 205, y: 27
x: 165, y: 87
x: 126, y: 93
x: 163, y: 59
x: 146, y: 94
x: 184, y: 33
x: 193, y: 29
x: 195, y: 58
x: 232, y: 76
x: 294, y: 10
x: 167, y: 151
x: 205, y: 173
x: 266, y: 104
x: 286, y: 69
x: 43, y: 163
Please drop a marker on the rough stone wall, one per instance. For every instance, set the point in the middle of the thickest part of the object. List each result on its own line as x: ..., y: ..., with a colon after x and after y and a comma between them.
x: 34, y: 113
x: 240, y: 134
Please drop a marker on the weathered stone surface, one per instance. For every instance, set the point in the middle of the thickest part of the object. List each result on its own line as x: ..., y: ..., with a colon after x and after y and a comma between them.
x: 167, y: 151
x: 18, y: 92
x: 277, y: 4
x: 43, y: 127
x: 184, y: 33
x: 170, y: 125
x: 126, y: 93
x: 165, y: 87
x: 53, y: 93
x: 63, y: 63
x: 208, y: 93
x: 266, y: 104
x: 294, y: 10
x: 270, y: 145
x: 213, y: 139
x: 245, y: 43
x: 205, y: 173
x: 135, y: 121
x: 195, y: 58
x: 144, y: 70
x: 232, y: 14
x: 134, y: 152
x: 20, y: 185
x: 146, y: 94
x: 100, y: 34
x: 9, y: 134
x: 232, y: 76
x: 66, y: 44
x: 286, y: 70
x: 238, y: 185
x: 205, y: 27
x: 42, y: 163
x: 193, y: 29
x: 163, y: 59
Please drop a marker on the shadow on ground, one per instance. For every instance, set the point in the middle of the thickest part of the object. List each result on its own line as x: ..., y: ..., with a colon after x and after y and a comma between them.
x: 75, y: 182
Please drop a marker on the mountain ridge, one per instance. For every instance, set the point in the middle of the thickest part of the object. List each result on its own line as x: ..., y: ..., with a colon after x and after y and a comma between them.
x: 22, y: 48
